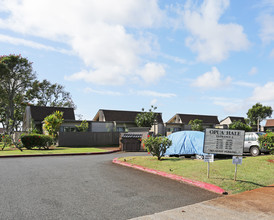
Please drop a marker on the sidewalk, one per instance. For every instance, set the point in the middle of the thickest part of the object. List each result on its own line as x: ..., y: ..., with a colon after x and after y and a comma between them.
x: 255, y: 204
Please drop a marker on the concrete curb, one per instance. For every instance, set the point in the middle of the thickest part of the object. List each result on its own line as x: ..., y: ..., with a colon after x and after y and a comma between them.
x: 53, y: 155
x: 200, y: 184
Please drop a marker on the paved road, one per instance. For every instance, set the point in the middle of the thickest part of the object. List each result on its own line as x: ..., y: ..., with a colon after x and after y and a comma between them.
x: 86, y: 187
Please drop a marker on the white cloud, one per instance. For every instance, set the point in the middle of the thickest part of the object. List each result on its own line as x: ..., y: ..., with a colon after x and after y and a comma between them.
x: 267, y: 27
x: 211, y: 80
x: 230, y: 105
x: 246, y: 84
x: 154, y: 94
x: 152, y: 72
x: 97, y: 31
x: 153, y: 102
x: 253, y: 71
x: 263, y: 93
x: 211, y: 40
x: 102, y: 92
x: 28, y: 43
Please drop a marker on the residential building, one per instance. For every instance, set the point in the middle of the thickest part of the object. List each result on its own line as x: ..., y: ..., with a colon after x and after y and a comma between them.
x: 34, y: 116
x: 269, y: 125
x: 180, y: 122
x: 124, y: 120
x: 229, y: 120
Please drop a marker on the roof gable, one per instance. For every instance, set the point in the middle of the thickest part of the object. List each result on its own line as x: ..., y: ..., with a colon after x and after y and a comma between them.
x: 210, y: 119
x: 38, y: 113
x: 234, y: 118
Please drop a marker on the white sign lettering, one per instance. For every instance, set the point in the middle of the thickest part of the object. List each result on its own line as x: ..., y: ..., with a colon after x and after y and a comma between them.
x: 209, y: 158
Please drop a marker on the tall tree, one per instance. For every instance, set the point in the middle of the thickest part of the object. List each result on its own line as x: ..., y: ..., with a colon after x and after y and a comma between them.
x: 46, y: 94
x: 19, y: 88
x: 257, y: 113
x: 16, y: 77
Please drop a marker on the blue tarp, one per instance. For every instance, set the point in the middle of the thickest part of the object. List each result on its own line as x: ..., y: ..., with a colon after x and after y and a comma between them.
x: 186, y: 142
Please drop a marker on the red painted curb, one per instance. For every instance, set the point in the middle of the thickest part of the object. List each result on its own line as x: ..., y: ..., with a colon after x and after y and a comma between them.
x: 200, y: 184
x: 53, y: 155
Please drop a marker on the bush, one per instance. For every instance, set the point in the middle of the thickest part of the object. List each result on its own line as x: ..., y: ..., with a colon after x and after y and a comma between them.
x: 7, y: 141
x: 267, y: 141
x: 157, y: 146
x: 36, y: 140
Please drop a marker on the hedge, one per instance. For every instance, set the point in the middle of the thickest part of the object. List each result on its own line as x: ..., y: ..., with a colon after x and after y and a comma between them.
x: 30, y: 141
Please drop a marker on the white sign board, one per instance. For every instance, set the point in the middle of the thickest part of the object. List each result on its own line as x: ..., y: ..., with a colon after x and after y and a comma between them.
x: 237, y: 160
x: 224, y: 141
x: 209, y: 158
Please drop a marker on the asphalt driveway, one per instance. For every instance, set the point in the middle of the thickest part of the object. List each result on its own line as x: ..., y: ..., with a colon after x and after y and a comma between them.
x: 86, y: 187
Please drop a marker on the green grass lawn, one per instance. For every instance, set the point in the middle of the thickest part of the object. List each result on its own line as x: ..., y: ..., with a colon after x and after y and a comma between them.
x: 255, y: 172
x: 57, y: 150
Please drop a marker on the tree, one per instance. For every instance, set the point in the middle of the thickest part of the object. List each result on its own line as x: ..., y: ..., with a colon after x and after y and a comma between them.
x: 16, y: 77
x: 46, y: 94
x: 238, y: 125
x: 19, y: 88
x: 196, y: 125
x: 257, y: 113
x: 83, y: 127
x: 146, y: 119
x: 157, y: 146
x: 53, y: 122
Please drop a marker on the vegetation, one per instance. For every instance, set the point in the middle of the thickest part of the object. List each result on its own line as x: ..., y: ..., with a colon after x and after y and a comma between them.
x: 16, y: 77
x: 19, y: 88
x: 6, y: 141
x: 196, y: 125
x: 36, y: 140
x: 52, y: 150
x: 257, y: 113
x: 254, y: 172
x: 146, y: 119
x: 83, y: 127
x: 238, y: 125
x: 267, y: 141
x: 46, y: 94
x: 157, y: 146
x: 52, y: 123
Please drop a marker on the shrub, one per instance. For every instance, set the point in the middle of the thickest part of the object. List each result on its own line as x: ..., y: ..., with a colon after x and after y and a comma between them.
x: 239, y: 125
x: 7, y: 141
x: 146, y: 119
x: 36, y: 140
x: 157, y: 146
x: 267, y: 141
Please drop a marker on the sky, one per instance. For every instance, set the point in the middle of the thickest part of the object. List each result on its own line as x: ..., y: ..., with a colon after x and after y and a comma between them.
x: 212, y: 57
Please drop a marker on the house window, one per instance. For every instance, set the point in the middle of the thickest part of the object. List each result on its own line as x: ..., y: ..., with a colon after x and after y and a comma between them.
x: 176, y: 129
x: 68, y: 129
x: 120, y: 129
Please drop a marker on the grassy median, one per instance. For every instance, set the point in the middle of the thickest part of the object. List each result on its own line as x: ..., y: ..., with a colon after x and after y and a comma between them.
x: 254, y: 172
x: 56, y: 150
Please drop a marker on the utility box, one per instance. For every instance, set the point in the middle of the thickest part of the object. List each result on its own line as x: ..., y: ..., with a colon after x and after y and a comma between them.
x: 131, y: 142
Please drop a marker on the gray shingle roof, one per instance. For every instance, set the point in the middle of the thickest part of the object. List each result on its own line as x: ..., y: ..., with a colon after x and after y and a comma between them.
x: 205, y: 118
x: 124, y: 116
x: 38, y: 113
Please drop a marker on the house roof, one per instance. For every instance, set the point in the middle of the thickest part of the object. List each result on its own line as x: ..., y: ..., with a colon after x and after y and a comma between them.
x: 269, y: 123
x: 122, y: 116
x: 235, y: 118
x: 210, y: 119
x: 38, y: 113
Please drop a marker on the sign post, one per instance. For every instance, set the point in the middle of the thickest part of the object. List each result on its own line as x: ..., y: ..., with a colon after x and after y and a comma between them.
x: 209, y: 158
x: 224, y: 141
x: 236, y: 160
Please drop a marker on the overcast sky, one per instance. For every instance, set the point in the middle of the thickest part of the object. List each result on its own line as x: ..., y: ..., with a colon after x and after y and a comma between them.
x: 212, y: 57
